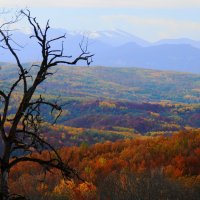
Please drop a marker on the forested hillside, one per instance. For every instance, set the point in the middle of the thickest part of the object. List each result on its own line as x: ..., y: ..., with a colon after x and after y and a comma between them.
x: 121, y: 84
x: 99, y: 115
x: 133, y: 131
x: 158, y: 168
x: 101, y: 104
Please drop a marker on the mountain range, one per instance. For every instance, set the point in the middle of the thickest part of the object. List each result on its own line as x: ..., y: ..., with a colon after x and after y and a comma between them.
x: 116, y: 48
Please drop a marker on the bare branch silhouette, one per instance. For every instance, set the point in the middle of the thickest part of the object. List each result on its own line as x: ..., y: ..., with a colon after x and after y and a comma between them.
x: 24, y: 134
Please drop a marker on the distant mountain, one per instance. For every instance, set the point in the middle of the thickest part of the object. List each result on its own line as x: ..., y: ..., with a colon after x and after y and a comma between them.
x: 117, y: 49
x: 116, y: 38
x: 184, y: 58
x: 193, y: 43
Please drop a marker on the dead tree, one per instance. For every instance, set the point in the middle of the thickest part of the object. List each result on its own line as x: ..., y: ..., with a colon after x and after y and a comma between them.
x: 24, y: 132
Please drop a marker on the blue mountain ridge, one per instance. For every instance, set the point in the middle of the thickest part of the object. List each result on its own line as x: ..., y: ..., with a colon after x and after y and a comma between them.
x: 116, y: 49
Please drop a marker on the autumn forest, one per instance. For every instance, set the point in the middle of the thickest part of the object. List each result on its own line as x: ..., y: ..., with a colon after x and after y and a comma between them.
x: 95, y: 133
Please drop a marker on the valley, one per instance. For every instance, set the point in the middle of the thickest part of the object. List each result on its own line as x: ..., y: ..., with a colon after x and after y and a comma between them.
x: 117, y: 125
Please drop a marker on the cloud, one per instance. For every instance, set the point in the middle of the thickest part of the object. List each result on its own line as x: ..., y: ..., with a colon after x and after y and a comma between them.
x: 150, y: 24
x: 156, y: 28
x: 102, y: 3
x: 153, y: 21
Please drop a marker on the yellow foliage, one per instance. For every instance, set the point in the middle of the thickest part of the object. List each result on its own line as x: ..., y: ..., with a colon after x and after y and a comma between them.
x: 63, y: 136
x: 102, y: 161
x: 72, y: 191
x: 65, y: 189
x: 105, y: 104
x: 153, y: 114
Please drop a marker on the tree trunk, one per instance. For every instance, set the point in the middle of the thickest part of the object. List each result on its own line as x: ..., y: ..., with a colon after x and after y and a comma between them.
x: 5, y: 171
x: 4, y: 185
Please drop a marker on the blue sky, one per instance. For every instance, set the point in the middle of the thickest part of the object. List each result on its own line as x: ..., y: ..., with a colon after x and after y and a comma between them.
x: 149, y: 19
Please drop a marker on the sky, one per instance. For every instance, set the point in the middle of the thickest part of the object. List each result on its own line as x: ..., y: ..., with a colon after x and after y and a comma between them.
x: 151, y: 20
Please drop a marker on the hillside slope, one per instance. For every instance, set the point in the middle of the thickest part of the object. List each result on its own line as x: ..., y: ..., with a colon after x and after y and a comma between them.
x: 121, y: 84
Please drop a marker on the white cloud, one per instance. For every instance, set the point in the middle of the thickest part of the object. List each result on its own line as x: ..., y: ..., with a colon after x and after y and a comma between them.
x: 102, y: 3
x: 151, y: 28
x: 156, y: 28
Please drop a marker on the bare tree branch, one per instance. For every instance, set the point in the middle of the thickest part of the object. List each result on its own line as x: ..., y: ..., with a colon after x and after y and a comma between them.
x: 24, y: 134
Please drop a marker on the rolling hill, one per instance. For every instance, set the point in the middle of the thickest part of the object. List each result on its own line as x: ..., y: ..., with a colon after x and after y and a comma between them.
x: 121, y: 84
x: 142, y: 101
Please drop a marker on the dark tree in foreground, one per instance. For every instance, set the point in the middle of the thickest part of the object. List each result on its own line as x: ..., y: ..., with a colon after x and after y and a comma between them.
x: 24, y: 134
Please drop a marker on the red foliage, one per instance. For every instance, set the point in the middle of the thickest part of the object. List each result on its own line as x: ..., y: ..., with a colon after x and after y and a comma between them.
x: 176, y: 156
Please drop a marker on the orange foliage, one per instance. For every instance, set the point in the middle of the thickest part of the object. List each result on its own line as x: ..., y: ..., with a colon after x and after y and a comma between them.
x: 177, y: 157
